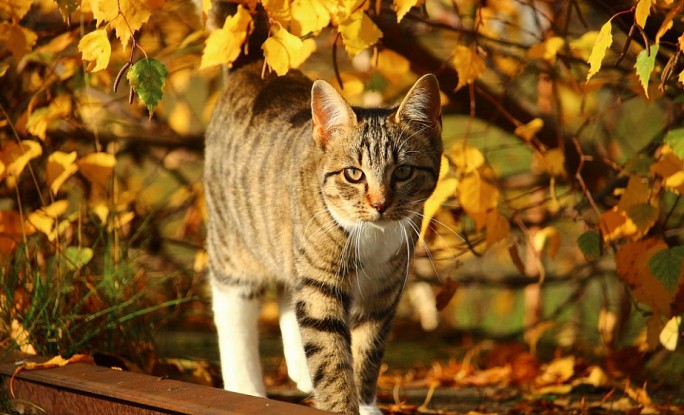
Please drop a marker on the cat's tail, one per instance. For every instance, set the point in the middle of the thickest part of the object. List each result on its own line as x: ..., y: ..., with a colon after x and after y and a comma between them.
x: 258, y: 32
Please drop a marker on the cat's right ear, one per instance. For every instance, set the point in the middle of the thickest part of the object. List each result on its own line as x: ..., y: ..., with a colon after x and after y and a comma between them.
x: 330, y: 112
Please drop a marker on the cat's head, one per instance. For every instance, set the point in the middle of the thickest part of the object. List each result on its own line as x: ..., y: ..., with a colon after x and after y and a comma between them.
x: 377, y: 165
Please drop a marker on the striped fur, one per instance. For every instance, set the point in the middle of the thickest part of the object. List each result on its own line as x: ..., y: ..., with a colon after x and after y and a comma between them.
x: 283, y: 210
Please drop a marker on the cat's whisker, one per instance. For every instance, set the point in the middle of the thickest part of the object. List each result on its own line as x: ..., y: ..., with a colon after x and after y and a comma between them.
x: 425, y: 246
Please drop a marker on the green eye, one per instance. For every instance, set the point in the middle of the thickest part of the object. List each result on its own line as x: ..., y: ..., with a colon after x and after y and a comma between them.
x: 403, y: 172
x: 353, y: 175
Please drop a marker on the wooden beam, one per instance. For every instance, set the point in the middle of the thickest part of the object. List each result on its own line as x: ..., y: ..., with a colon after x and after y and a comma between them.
x: 88, y: 389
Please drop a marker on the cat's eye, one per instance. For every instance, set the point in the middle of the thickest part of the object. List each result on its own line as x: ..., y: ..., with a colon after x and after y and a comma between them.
x: 403, y: 172
x: 353, y: 175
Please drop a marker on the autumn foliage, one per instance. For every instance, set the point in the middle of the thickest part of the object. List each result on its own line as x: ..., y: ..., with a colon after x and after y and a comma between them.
x: 563, y: 129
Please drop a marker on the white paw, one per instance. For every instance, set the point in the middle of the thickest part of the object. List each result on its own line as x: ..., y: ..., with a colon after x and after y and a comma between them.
x: 369, y: 410
x: 304, y: 384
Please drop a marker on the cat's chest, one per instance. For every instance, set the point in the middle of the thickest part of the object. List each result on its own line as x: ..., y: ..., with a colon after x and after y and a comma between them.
x: 376, y: 247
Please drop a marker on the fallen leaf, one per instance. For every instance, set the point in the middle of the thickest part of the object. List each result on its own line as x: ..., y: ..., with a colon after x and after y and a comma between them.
x: 57, y: 361
x: 60, y: 166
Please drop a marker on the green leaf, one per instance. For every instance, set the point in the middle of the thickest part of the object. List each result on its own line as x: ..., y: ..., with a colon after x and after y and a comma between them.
x: 643, y: 215
x: 666, y: 265
x: 590, y: 245
x: 675, y: 139
x: 76, y: 257
x: 147, y: 77
x: 644, y: 65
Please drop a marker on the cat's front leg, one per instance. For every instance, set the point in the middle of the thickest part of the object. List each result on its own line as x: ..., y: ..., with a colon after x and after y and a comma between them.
x: 322, y: 311
x: 370, y: 323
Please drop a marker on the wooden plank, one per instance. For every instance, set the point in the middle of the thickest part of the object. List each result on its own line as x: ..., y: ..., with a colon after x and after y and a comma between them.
x: 95, y: 385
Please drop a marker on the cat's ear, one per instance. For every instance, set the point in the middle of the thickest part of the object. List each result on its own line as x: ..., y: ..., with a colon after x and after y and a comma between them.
x: 422, y: 103
x: 329, y: 111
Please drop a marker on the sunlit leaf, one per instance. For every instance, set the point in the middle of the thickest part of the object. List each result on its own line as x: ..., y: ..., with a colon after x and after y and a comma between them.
x: 469, y: 65
x: 671, y: 169
x: 477, y: 196
x: 667, y: 265
x: 547, y: 239
x: 547, y: 49
x: 616, y: 224
x: 466, y: 159
x: 96, y: 49
x: 15, y: 157
x: 45, y: 220
x: 446, y: 188
x: 392, y: 66
x: 601, y: 45
x: 643, y: 9
x: 632, y: 267
x: 278, y: 10
x: 529, y: 130
x: 136, y: 12
x: 308, y: 16
x: 401, y: 7
x: 16, y: 9
x: 60, y: 166
x: 551, y: 162
x: 97, y: 168
x: 669, y: 336
x: 645, y: 62
x: 224, y: 45
x: 283, y: 51
x: 40, y: 119
x: 668, y: 20
x: 17, y: 39
x: 675, y: 139
x: 22, y: 338
x: 147, y: 77
x: 590, y: 244
x: 358, y: 33
x: 497, y: 226
x: 77, y: 256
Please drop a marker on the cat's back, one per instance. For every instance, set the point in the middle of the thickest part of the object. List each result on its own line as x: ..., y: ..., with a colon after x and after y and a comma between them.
x: 259, y: 132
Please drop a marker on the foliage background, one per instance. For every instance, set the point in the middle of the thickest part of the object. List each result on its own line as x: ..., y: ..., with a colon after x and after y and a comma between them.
x: 558, y: 217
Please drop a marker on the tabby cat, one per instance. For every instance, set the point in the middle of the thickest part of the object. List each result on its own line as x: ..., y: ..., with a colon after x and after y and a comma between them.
x: 325, y: 201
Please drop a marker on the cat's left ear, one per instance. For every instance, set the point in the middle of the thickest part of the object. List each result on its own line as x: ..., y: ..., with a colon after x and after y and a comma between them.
x: 330, y: 112
x: 422, y: 103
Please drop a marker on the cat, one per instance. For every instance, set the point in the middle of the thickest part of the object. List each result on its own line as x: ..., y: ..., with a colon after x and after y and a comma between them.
x: 325, y: 201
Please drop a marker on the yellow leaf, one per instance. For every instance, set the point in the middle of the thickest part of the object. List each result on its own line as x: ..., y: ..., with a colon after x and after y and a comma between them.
x: 60, y: 166
x: 308, y: 16
x: 548, y: 238
x: 529, y: 130
x: 16, y: 9
x: 637, y: 192
x: 97, y: 168
x: 616, y: 224
x: 393, y: 66
x: 278, y: 10
x: 469, y: 65
x: 643, y: 9
x: 671, y: 169
x: 446, y: 187
x: 224, y: 45
x: 21, y: 337
x: 466, y: 159
x: 477, y: 196
x: 180, y: 118
x: 41, y: 118
x: 551, y: 162
x: 598, y: 52
x: 668, y: 20
x: 669, y: 336
x: 497, y: 226
x: 15, y: 157
x: 283, y: 51
x: 17, y: 39
x: 45, y: 219
x: 547, y: 49
x: 557, y: 372
x: 57, y: 361
x: 401, y: 7
x: 582, y: 46
x: 358, y: 33
x: 137, y: 12
x: 95, y: 48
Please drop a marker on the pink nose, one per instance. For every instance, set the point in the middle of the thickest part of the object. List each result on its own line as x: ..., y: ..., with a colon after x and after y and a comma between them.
x: 379, y: 206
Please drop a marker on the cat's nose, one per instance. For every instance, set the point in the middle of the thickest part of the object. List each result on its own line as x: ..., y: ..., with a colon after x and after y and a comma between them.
x: 379, y: 205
